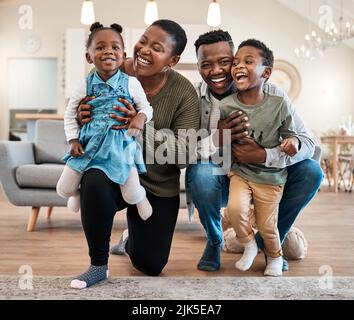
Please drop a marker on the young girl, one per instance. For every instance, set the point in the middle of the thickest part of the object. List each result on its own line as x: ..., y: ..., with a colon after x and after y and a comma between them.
x: 96, y: 145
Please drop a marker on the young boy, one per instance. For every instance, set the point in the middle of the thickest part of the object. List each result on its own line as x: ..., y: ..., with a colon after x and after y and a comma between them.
x: 271, y: 120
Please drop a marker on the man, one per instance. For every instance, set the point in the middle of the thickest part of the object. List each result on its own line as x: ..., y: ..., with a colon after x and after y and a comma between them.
x: 209, y: 192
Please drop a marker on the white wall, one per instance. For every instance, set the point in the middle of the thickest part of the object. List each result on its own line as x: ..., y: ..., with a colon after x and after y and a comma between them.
x: 327, y: 84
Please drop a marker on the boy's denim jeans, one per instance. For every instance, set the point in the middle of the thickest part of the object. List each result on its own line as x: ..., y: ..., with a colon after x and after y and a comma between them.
x: 210, y: 193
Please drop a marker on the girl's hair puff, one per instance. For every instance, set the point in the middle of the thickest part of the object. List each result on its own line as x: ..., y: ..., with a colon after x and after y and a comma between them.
x: 97, y: 26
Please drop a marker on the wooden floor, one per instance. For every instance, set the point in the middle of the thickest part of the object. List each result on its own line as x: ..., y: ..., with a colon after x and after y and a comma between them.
x: 58, y: 246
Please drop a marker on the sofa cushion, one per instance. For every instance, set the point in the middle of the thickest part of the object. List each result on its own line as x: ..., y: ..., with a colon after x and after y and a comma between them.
x: 50, y: 142
x: 38, y: 175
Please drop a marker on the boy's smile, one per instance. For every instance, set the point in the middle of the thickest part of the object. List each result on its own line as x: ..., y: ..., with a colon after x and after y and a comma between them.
x: 248, y: 69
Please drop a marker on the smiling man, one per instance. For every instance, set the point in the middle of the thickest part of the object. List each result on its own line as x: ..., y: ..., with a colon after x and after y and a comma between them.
x: 209, y: 192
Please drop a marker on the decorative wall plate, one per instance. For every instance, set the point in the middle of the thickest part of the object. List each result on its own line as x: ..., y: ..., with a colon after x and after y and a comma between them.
x: 31, y: 43
x: 286, y: 76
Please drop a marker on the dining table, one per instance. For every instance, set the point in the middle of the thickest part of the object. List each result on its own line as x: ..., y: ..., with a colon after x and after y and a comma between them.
x: 335, y: 141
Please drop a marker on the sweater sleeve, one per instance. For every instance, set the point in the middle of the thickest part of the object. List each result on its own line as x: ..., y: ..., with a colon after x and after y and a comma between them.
x: 71, y: 126
x: 178, y: 140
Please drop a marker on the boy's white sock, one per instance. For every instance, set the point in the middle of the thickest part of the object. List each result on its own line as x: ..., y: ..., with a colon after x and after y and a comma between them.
x: 144, y: 209
x: 274, y: 267
x: 74, y: 203
x: 251, y: 251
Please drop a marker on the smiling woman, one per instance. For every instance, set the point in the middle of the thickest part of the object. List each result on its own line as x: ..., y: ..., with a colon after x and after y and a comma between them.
x: 175, y: 106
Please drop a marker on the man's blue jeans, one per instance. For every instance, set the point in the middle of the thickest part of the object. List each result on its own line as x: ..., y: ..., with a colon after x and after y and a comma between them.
x: 210, y: 193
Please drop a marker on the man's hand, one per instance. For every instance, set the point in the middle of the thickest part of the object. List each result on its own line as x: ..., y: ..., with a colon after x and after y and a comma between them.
x: 290, y: 146
x: 237, y: 123
x: 76, y: 149
x: 249, y: 151
x: 84, y: 111
x: 136, y: 125
x: 129, y: 113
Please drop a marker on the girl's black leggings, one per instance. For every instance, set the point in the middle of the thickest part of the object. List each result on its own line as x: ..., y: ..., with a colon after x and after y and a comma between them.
x: 149, y: 241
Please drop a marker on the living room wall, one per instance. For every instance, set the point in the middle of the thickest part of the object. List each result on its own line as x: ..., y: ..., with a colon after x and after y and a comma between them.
x: 327, y: 83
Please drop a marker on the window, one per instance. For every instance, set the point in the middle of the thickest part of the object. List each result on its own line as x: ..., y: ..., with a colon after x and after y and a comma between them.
x: 33, y: 83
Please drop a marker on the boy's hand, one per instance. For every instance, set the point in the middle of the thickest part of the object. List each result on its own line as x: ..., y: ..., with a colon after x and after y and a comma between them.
x: 76, y: 149
x: 290, y: 146
x: 136, y: 125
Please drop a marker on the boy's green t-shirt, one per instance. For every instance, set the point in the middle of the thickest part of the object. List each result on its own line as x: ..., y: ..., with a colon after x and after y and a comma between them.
x: 271, y: 121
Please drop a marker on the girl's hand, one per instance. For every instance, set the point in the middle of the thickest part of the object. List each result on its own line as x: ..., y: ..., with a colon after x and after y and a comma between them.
x: 76, y: 149
x: 84, y: 111
x: 129, y: 113
x: 290, y: 146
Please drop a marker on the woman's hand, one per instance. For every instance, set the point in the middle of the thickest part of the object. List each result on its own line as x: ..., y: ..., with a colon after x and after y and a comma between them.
x: 84, y: 111
x: 129, y: 113
x: 237, y: 122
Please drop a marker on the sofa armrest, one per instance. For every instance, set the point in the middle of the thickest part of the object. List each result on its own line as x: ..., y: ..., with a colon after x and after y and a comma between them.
x: 12, y: 155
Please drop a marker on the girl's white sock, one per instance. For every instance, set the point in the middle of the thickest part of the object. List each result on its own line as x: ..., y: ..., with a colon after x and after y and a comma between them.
x: 144, y: 209
x: 74, y: 203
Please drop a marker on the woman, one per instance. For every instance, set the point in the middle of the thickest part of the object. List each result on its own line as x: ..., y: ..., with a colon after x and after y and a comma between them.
x: 175, y: 105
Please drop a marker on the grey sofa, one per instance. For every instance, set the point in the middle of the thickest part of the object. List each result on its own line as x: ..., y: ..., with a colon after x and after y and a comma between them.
x: 29, y: 171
